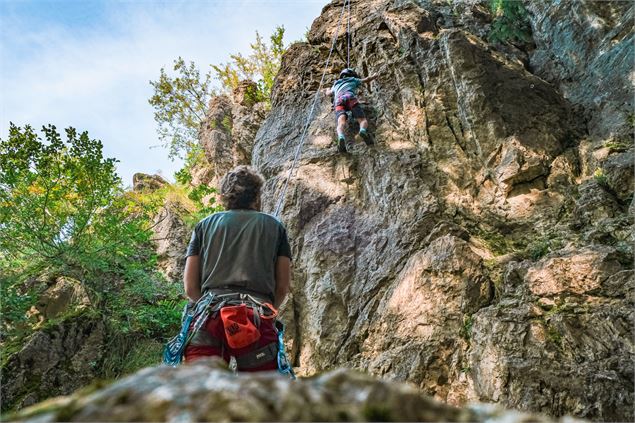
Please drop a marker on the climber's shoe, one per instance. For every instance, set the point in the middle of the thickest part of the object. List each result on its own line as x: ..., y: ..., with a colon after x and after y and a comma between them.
x: 368, y: 140
x: 349, y: 145
x: 341, y: 144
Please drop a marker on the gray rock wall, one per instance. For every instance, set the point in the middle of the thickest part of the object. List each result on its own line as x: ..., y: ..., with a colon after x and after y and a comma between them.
x: 472, y: 251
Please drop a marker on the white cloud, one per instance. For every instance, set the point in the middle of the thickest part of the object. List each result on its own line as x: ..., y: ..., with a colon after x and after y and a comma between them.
x: 96, y: 79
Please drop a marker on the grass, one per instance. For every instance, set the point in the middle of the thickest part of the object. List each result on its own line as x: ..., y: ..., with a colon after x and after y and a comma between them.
x: 127, y: 353
x: 496, y: 242
x: 554, y: 336
x: 540, y: 247
x: 466, y: 329
x: 143, y: 354
x: 617, y: 146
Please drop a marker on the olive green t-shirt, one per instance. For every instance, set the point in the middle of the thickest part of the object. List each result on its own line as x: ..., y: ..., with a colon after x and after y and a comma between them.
x: 238, y: 250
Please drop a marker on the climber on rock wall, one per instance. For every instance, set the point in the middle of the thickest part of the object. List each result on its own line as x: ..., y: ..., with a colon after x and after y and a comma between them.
x: 241, y: 259
x: 344, y: 92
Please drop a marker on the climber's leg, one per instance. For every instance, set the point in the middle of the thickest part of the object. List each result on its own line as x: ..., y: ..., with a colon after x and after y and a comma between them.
x: 363, y: 124
x: 208, y: 341
x: 341, y: 125
x: 358, y: 113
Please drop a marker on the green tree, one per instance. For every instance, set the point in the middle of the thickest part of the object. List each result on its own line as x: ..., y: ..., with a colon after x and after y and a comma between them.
x: 63, y: 212
x: 261, y: 65
x: 510, y: 22
x: 179, y: 106
x: 180, y: 101
x: 62, y: 205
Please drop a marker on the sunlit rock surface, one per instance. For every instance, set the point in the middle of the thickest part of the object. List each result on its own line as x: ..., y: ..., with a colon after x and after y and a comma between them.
x: 483, y: 249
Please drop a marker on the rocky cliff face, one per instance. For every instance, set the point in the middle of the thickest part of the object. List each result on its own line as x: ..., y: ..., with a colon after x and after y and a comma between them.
x: 482, y: 250
x: 227, y: 135
x: 170, y: 232
x: 62, y: 355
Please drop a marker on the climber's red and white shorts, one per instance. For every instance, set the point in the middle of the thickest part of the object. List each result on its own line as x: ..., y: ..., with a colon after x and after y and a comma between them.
x: 211, y: 341
x: 348, y: 102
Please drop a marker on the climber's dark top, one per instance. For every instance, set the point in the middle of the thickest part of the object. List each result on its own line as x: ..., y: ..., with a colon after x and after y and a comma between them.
x: 238, y: 250
x: 345, y: 85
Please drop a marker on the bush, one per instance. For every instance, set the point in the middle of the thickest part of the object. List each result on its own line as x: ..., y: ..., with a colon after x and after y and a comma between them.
x: 510, y: 22
x: 63, y: 212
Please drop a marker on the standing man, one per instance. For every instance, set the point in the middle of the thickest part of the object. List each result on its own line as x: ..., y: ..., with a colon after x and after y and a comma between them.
x: 243, y: 256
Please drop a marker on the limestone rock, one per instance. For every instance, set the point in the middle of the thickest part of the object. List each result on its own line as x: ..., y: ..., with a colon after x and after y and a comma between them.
x: 204, y: 391
x: 142, y: 182
x: 619, y: 170
x: 227, y: 135
x: 573, y: 272
x: 55, y: 360
x: 63, y: 296
x: 586, y: 49
x: 171, y: 236
x: 405, y: 253
x: 245, y: 94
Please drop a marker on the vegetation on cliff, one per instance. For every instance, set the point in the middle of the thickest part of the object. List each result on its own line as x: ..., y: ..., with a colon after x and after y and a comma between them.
x: 68, y: 222
x: 180, y: 101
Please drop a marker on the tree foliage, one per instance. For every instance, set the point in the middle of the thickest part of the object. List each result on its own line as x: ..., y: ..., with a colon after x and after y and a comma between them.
x: 180, y: 101
x: 63, y: 212
x: 260, y: 66
x: 511, y: 22
x: 62, y: 204
x: 179, y: 105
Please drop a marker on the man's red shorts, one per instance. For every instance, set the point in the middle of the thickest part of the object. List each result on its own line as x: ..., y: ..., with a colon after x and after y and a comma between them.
x: 346, y: 102
x: 214, y: 328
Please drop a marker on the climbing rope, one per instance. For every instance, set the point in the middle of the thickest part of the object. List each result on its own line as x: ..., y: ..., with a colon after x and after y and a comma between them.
x: 348, y: 37
x: 298, y: 149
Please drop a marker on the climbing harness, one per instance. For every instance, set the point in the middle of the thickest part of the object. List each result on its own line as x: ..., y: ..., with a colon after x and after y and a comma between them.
x: 241, y: 316
x: 192, y: 319
x: 298, y: 149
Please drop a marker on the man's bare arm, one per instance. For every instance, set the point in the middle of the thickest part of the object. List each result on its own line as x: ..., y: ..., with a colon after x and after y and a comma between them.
x: 370, y: 78
x: 283, y: 279
x: 327, y: 91
x: 192, y: 278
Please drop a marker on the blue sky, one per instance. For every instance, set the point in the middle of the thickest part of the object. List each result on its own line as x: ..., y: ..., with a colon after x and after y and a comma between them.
x: 88, y: 64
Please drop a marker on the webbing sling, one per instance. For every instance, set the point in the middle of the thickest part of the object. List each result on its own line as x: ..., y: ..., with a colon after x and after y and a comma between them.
x: 175, y: 348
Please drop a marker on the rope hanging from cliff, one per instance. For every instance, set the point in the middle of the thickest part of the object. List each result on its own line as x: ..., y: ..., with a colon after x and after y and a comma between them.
x: 298, y: 149
x: 348, y: 36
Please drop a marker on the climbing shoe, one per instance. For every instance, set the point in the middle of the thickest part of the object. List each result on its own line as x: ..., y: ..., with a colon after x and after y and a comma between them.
x: 341, y: 145
x: 368, y: 140
x: 349, y: 146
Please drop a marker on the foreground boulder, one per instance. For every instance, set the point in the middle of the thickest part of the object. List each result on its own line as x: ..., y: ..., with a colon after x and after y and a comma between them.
x: 206, y: 391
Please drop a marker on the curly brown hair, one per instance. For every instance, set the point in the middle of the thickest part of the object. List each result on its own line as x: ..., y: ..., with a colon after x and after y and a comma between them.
x: 241, y: 188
